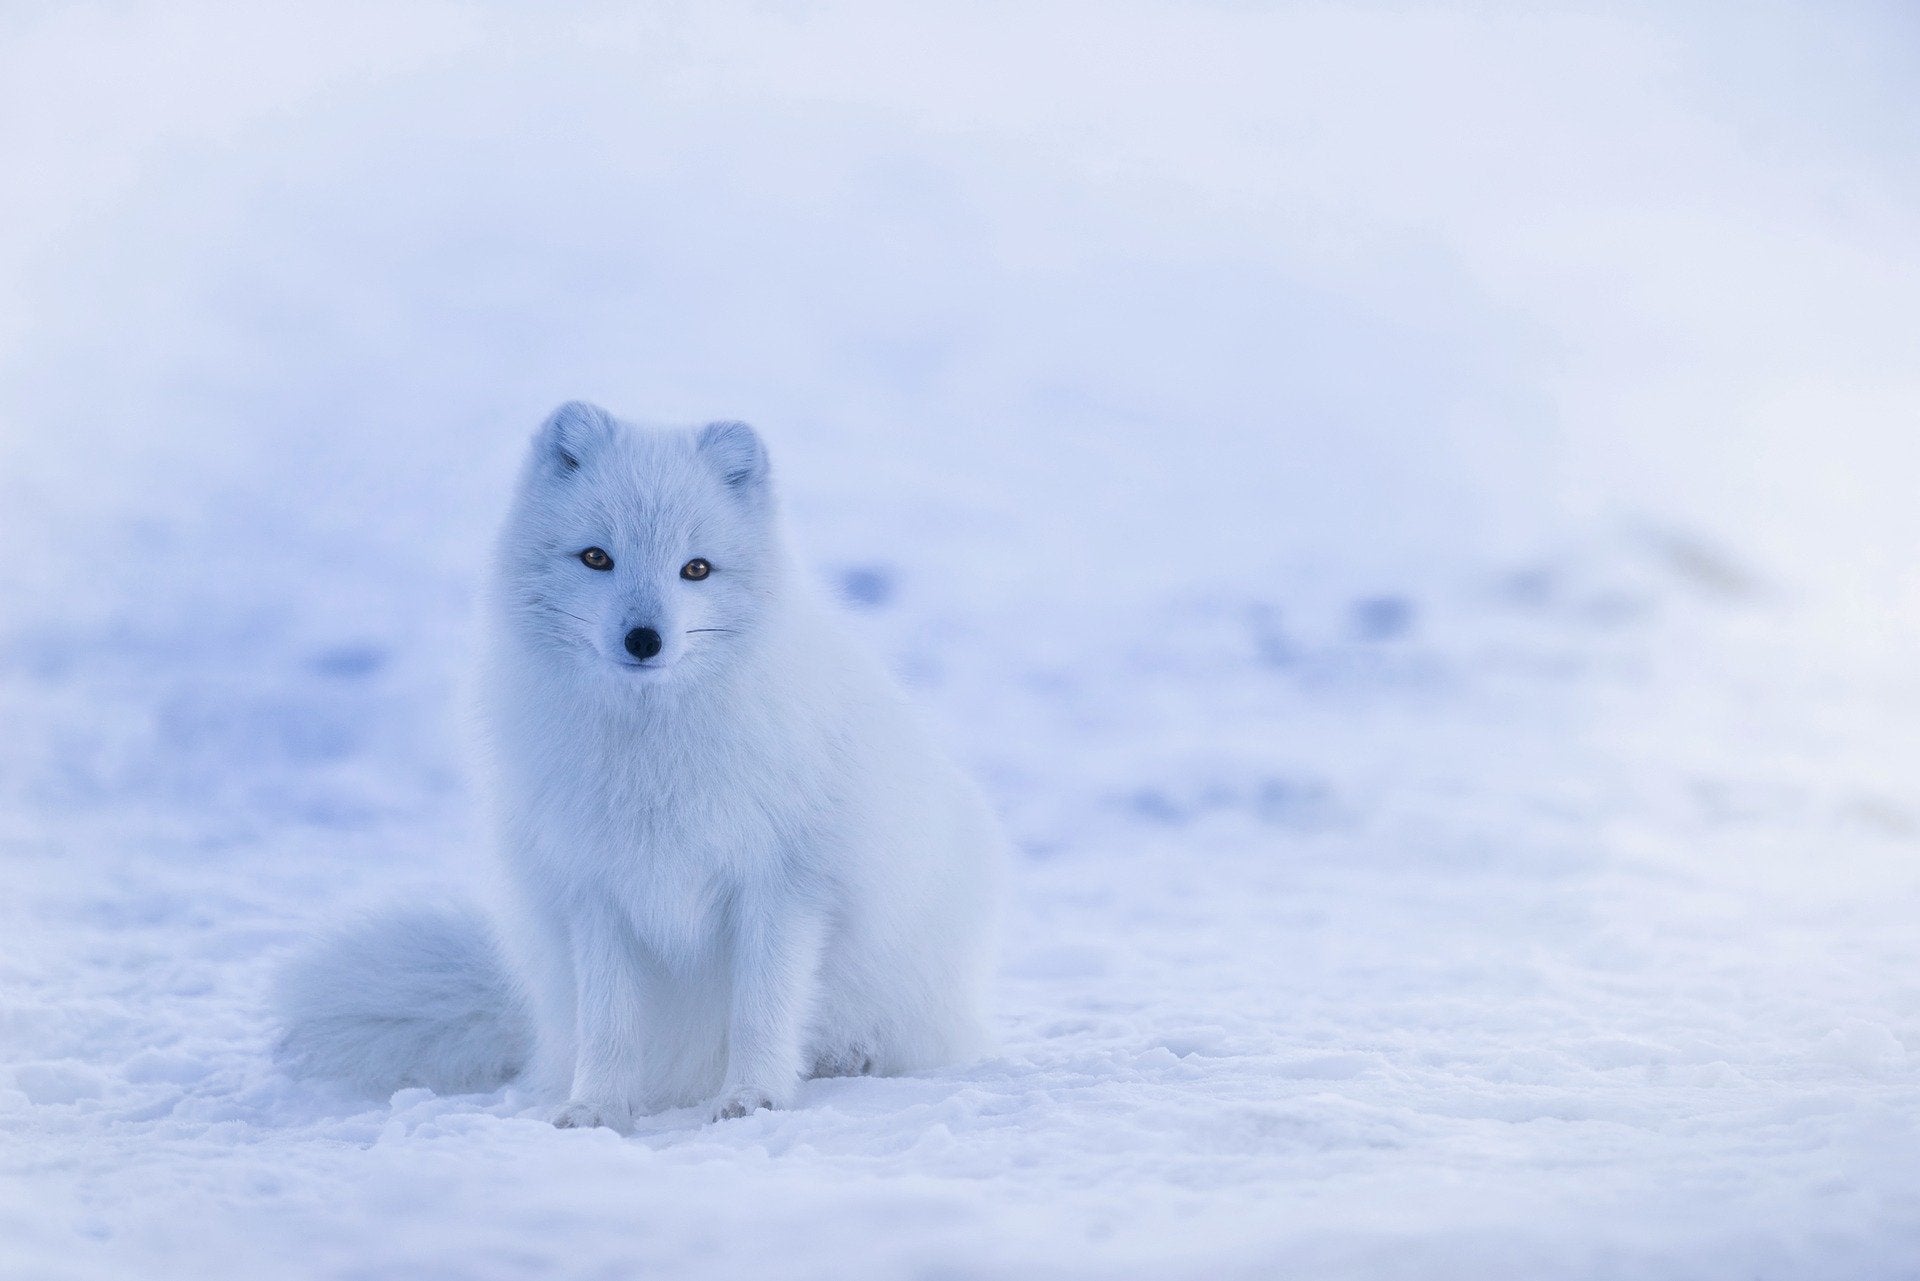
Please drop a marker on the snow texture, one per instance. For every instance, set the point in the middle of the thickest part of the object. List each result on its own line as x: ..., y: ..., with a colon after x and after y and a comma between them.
x: 1408, y: 509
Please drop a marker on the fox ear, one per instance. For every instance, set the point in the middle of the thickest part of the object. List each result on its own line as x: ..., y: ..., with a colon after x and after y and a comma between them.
x: 572, y: 433
x: 735, y: 449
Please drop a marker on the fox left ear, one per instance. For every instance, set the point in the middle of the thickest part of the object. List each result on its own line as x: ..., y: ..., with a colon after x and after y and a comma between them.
x: 736, y: 450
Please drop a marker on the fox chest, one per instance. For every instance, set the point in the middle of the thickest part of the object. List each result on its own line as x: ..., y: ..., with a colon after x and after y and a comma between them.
x: 676, y: 860
x: 676, y: 829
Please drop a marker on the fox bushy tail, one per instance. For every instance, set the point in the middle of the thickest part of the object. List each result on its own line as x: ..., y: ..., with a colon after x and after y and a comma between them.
x: 415, y: 996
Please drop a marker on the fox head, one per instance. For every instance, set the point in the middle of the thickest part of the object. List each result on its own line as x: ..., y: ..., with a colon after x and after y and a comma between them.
x: 640, y: 554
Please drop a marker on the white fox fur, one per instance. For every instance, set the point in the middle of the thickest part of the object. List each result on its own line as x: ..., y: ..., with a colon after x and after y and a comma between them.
x: 728, y: 865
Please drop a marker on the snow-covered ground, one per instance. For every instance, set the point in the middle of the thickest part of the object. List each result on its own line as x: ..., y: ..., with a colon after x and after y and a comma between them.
x: 1411, y: 511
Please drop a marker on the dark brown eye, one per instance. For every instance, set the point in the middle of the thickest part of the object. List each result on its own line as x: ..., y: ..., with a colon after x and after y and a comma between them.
x: 594, y: 558
x: 695, y: 570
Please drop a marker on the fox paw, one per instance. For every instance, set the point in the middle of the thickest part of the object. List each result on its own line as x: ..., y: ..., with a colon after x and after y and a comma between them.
x: 577, y: 1115
x: 848, y: 1062
x: 739, y: 1103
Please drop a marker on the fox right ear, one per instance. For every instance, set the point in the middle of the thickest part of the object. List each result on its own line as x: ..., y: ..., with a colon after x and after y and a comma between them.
x: 571, y: 433
x: 736, y: 450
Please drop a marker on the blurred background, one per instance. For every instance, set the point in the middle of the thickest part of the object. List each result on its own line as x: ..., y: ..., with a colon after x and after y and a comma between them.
x: 1106, y: 294
x: 1410, y: 508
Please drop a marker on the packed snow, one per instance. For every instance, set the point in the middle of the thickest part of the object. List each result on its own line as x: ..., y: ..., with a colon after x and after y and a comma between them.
x: 1408, y: 510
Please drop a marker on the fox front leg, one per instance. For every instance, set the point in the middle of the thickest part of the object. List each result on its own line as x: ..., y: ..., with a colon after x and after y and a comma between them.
x: 776, y: 971
x: 607, y: 998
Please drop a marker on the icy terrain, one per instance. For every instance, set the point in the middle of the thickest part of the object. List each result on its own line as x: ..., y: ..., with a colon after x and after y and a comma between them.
x: 1411, y: 512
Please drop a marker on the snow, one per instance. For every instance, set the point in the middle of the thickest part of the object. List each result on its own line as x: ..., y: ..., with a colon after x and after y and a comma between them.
x: 1408, y: 509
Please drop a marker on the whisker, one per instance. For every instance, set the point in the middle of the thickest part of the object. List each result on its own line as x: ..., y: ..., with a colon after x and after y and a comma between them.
x: 692, y: 630
x: 544, y: 605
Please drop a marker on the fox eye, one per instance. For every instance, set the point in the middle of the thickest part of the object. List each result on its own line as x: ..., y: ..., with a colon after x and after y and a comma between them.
x: 594, y: 558
x: 695, y: 570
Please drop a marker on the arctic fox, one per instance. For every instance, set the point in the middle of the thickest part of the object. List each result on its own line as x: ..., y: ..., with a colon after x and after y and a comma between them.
x: 732, y: 858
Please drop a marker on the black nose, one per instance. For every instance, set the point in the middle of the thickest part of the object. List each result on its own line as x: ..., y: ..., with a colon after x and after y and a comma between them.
x: 643, y: 642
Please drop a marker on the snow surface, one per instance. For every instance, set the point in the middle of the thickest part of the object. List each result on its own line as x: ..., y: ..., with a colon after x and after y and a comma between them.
x: 1409, y: 510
